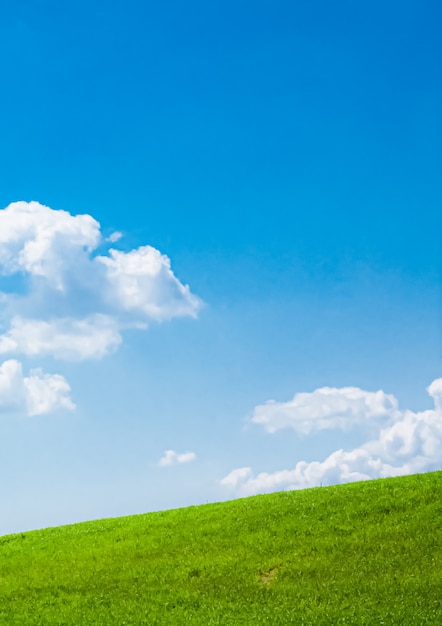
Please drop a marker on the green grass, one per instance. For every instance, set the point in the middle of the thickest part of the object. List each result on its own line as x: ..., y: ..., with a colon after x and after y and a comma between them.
x: 365, y: 553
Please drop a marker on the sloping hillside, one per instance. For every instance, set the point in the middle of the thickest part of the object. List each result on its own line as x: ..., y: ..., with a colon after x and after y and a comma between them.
x: 365, y: 553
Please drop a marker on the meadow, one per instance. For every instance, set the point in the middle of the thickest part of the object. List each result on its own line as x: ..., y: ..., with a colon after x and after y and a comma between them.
x: 361, y: 553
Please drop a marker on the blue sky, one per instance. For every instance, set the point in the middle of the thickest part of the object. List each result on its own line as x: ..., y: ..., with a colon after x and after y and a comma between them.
x: 286, y: 158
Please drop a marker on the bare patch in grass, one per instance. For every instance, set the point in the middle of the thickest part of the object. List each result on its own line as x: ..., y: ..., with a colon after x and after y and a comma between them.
x: 268, y: 576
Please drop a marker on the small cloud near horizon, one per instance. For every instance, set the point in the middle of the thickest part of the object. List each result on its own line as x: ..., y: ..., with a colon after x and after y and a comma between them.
x: 170, y: 457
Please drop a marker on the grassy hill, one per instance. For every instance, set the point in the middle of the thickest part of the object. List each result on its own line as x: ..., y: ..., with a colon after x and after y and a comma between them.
x: 365, y: 553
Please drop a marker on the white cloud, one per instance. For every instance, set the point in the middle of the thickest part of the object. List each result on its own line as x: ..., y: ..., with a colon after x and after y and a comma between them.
x: 435, y: 391
x: 116, y: 236
x: 339, y: 467
x: 36, y: 394
x: 407, y: 442
x: 74, y: 302
x: 42, y: 242
x: 63, y: 338
x: 238, y: 477
x: 170, y: 457
x: 326, y: 408
x: 141, y: 280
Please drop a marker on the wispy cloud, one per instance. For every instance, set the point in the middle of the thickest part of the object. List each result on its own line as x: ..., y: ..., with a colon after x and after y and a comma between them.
x: 63, y: 338
x: 113, y: 237
x: 170, y: 457
x: 405, y: 442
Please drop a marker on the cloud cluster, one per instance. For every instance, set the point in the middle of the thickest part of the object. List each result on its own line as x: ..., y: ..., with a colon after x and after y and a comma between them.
x: 170, y: 457
x: 35, y: 394
x: 77, y: 301
x: 406, y: 442
x: 65, y: 293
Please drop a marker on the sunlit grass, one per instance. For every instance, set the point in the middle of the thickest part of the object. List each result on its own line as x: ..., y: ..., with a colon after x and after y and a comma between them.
x: 365, y: 553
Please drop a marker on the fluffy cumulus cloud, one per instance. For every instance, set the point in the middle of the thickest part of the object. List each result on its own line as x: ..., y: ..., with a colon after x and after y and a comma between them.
x: 38, y: 241
x: 325, y: 409
x: 36, y: 394
x: 170, y: 457
x: 73, y: 295
x: 405, y: 441
x: 141, y: 280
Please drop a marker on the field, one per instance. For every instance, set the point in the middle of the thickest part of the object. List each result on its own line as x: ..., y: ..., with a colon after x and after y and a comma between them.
x: 363, y: 553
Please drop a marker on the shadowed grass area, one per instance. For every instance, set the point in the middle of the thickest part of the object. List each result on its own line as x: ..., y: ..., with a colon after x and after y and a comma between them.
x: 363, y: 553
